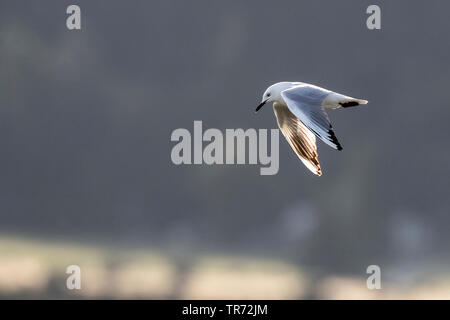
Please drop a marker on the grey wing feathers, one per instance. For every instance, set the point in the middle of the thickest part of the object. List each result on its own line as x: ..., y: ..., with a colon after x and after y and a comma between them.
x: 302, y: 141
x: 305, y: 102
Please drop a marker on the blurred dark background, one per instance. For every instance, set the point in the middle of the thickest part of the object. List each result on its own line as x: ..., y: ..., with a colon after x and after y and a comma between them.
x: 86, y: 118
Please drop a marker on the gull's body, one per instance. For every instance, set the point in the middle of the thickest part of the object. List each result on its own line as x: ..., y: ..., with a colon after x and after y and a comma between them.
x: 300, y: 111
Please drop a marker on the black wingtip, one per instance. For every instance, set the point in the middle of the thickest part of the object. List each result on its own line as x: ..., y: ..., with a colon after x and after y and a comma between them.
x: 349, y: 104
x: 334, y: 139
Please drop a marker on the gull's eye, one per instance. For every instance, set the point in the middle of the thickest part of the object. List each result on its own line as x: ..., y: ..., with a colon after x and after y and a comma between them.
x: 268, y: 94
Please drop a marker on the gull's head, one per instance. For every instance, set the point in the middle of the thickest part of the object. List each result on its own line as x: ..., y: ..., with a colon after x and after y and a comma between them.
x: 273, y: 93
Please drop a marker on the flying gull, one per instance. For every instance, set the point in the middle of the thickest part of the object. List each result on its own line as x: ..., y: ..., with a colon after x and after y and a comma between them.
x: 300, y: 111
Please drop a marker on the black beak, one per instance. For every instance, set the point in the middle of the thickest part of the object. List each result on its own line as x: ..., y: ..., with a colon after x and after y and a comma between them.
x: 260, y: 105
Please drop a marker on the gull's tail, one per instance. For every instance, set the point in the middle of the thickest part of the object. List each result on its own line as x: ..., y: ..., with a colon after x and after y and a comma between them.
x: 336, y: 100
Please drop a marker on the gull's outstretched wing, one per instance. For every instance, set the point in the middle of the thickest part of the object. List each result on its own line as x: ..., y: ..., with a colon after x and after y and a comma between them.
x: 305, y: 102
x: 299, y: 137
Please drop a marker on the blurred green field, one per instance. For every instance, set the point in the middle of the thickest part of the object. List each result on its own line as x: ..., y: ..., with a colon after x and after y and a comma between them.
x: 35, y: 269
x: 31, y: 268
